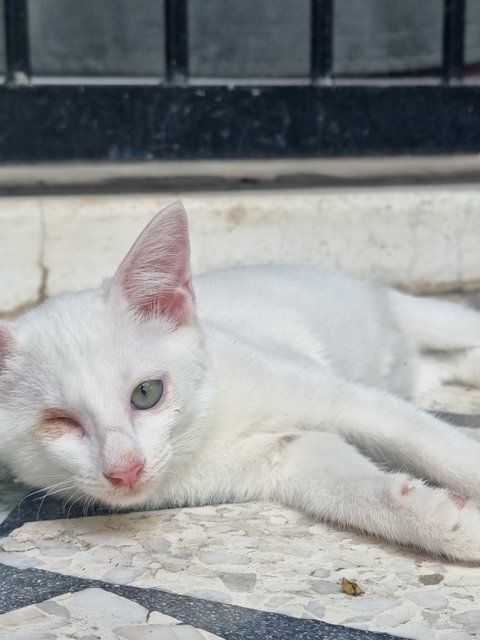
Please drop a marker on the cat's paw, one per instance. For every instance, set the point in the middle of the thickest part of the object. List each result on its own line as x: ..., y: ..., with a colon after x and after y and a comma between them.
x: 438, y: 521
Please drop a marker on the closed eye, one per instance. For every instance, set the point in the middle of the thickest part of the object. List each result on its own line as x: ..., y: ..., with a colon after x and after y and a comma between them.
x: 65, y: 419
x: 54, y: 424
x: 69, y: 421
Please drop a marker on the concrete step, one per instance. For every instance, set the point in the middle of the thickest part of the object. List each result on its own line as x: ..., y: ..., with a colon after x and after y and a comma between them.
x: 424, y: 239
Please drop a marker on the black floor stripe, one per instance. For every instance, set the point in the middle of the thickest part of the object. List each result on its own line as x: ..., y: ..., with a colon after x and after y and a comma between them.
x: 458, y: 419
x: 20, y: 588
x: 33, y: 508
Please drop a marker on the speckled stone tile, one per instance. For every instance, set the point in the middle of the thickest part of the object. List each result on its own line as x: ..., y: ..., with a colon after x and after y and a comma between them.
x: 93, y: 614
x: 263, y: 557
x: 259, y: 556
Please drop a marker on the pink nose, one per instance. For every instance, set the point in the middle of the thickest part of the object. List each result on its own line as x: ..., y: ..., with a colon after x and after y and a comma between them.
x: 125, y: 477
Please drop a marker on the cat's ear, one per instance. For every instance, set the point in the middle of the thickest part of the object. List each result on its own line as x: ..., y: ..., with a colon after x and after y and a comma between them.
x: 155, y: 277
x: 6, y: 344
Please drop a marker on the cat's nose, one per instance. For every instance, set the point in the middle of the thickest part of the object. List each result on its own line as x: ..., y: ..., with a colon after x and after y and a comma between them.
x: 125, y: 477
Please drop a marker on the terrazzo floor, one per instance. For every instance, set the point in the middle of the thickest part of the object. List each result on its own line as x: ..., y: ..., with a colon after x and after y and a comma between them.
x: 243, y: 571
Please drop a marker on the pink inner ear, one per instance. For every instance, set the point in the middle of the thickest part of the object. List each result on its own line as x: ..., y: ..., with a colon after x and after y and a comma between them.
x: 180, y: 305
x: 155, y: 276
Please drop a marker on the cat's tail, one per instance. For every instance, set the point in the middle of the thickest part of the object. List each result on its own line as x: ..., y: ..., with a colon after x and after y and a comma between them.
x: 436, y: 325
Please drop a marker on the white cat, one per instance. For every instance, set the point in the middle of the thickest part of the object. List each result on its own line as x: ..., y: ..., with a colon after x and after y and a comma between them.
x: 280, y: 383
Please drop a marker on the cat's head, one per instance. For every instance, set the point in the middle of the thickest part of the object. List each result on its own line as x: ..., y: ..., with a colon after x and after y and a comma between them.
x: 103, y: 392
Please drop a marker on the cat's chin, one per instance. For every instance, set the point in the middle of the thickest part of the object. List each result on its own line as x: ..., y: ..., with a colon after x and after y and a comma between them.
x: 122, y: 502
x: 127, y: 504
x: 129, y: 498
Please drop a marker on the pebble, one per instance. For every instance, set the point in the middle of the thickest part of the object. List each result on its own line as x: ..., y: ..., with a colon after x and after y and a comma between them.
x: 156, y: 617
x: 23, y: 616
x: 121, y: 576
x: 325, y: 586
x: 316, y: 608
x: 19, y: 560
x: 468, y: 619
x: 54, y: 609
x: 109, y: 605
x: 431, y: 578
x: 239, y: 581
x: 428, y: 598
x: 415, y: 631
x: 372, y: 605
x: 158, y: 632
x: 223, y: 557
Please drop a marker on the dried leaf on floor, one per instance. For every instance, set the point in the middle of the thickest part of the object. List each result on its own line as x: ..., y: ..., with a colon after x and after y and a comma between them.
x: 351, y: 588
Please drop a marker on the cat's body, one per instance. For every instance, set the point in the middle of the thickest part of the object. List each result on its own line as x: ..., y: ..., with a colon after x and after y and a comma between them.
x: 347, y: 327
x: 286, y: 388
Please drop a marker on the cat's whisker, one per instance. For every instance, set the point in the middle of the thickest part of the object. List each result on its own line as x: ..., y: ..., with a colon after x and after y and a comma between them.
x: 181, y: 438
x: 184, y: 445
x: 45, y: 489
x: 52, y: 493
x: 40, y: 506
x: 172, y: 473
x: 43, y: 498
x: 72, y: 499
x: 93, y: 502
x: 88, y: 505
x: 72, y: 505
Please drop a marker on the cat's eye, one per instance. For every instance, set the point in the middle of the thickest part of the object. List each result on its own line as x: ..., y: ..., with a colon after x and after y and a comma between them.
x: 147, y: 394
x: 55, y: 423
x: 71, y: 422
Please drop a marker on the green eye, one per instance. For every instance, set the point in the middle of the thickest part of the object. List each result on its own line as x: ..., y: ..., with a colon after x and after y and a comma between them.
x: 147, y: 394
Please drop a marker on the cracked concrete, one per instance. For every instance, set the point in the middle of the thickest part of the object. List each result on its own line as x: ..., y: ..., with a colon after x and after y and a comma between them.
x: 44, y: 270
x: 424, y: 239
x: 20, y: 254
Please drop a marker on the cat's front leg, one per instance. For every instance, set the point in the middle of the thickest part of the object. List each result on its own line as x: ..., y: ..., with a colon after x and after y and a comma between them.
x: 394, y: 431
x: 327, y: 478
x: 384, y: 426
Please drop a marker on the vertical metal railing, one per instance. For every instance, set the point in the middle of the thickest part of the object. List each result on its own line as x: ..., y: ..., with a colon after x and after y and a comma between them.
x: 321, y: 41
x: 453, y: 41
x: 176, y: 41
x: 17, y: 45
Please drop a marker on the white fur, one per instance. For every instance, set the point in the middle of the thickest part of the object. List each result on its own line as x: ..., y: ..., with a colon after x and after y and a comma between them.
x: 286, y: 385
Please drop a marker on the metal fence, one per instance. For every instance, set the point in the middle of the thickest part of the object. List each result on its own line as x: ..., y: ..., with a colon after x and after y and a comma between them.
x: 176, y: 118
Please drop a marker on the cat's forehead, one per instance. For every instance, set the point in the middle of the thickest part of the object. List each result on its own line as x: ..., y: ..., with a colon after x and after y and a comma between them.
x: 84, y: 330
x: 70, y: 320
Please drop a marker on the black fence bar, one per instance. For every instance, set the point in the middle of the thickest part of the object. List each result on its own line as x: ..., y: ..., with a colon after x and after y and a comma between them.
x: 176, y: 41
x: 16, y: 41
x: 321, y: 40
x: 453, y: 40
